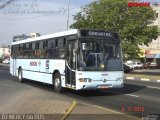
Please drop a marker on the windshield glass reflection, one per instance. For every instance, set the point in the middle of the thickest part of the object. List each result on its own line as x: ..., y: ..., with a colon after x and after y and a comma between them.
x: 99, y: 55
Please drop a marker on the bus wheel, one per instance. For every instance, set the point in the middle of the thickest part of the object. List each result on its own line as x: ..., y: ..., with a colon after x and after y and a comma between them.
x: 20, y: 76
x: 57, y: 83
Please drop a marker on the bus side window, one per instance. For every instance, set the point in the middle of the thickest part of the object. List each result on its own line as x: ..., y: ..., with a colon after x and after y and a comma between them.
x: 13, y: 51
x: 64, y: 42
x: 41, y: 49
x: 46, y: 44
x: 18, y: 51
x: 50, y: 49
x: 61, y: 47
x: 36, y: 50
x: 21, y: 52
x: 41, y: 45
x: 45, y: 48
x: 32, y: 54
x: 29, y: 53
x: 25, y: 52
x: 56, y: 42
x: 56, y: 48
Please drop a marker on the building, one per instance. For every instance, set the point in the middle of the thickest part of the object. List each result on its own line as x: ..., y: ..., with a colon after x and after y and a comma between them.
x: 20, y: 37
x: 4, y: 52
x: 35, y: 34
x: 23, y: 36
x: 151, y: 53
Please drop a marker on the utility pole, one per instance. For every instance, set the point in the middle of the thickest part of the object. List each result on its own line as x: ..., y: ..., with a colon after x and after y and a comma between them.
x: 68, y: 14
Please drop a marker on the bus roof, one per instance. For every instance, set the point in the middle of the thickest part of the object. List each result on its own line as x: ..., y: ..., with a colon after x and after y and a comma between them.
x: 80, y: 32
x: 58, y: 34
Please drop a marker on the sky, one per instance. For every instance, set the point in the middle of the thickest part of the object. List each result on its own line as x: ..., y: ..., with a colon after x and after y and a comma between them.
x: 41, y: 16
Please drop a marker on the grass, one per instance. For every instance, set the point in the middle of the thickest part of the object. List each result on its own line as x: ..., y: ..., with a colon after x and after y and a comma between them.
x: 152, y: 77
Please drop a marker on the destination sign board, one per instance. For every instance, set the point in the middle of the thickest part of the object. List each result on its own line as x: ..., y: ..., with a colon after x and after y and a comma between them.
x: 98, y: 33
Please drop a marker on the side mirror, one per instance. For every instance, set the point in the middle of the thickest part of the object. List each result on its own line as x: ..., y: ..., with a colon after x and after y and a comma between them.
x: 84, y: 46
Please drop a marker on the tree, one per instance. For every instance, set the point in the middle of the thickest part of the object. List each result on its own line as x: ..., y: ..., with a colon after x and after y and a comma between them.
x: 134, y: 24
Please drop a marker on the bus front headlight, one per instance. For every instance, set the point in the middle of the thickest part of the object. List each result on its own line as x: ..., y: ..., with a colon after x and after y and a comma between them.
x: 101, y: 65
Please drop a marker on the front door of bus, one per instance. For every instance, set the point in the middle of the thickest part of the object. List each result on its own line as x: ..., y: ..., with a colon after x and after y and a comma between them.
x: 71, y: 64
x: 13, y: 63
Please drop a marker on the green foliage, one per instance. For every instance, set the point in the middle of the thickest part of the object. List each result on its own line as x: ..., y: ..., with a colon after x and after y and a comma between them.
x: 132, y: 23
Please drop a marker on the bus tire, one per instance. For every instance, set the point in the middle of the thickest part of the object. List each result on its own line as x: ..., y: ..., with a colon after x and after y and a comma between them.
x: 57, y: 83
x: 20, y: 75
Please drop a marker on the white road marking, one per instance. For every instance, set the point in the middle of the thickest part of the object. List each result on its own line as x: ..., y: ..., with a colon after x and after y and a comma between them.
x: 153, y: 87
x: 132, y: 95
x: 145, y: 79
x: 158, y: 80
x: 131, y: 78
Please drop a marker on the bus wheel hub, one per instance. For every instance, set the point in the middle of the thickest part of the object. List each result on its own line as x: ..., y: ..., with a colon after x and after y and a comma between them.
x: 57, y: 82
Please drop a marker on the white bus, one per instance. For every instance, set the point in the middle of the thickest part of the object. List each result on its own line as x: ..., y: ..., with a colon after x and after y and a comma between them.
x: 79, y: 59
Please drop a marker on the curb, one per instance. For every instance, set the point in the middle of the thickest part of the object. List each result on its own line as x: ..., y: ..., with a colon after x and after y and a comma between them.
x: 74, y: 103
x: 3, y: 64
x: 141, y: 79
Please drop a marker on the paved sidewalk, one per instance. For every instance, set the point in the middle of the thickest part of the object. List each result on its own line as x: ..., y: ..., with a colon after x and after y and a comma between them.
x: 84, y: 111
x: 33, y: 103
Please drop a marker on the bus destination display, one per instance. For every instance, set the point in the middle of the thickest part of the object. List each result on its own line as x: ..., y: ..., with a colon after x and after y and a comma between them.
x: 97, y: 33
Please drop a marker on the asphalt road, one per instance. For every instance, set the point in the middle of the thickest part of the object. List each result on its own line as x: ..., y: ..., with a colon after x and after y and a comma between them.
x: 136, y: 98
x: 134, y: 94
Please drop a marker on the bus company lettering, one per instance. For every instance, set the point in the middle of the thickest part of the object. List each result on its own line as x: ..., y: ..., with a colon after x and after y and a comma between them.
x: 138, y: 4
x: 33, y: 63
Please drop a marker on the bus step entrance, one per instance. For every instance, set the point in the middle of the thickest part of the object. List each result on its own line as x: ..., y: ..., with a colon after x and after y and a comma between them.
x: 71, y: 86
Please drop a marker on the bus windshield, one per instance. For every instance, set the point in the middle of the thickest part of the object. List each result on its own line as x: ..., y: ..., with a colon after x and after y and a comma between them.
x: 99, y: 55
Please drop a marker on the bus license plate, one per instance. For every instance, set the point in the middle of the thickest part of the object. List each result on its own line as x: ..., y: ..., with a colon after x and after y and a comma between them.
x: 102, y: 87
